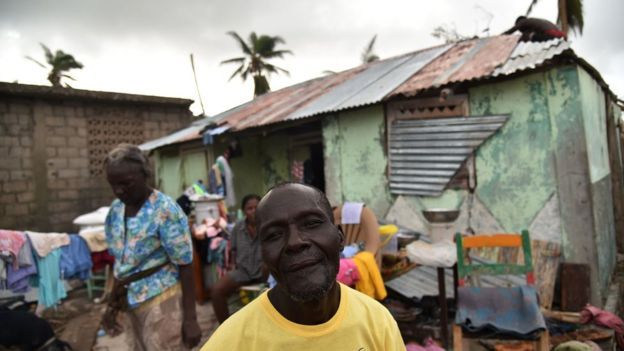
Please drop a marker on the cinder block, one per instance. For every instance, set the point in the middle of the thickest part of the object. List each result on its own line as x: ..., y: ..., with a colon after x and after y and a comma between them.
x: 55, y: 121
x: 7, y: 198
x: 77, y: 141
x: 57, y: 141
x: 68, y: 173
x: 69, y: 152
x: 25, y: 141
x: 19, y: 108
x: 77, y: 122
x: 25, y: 197
x: 79, y: 163
x: 68, y: 194
x: 15, y: 186
x: 57, y: 163
x: 51, y: 151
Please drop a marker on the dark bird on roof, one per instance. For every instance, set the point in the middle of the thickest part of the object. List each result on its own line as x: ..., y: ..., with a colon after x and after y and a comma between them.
x: 536, y: 29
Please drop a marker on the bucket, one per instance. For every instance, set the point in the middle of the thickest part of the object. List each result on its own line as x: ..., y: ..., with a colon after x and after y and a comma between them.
x: 208, y: 208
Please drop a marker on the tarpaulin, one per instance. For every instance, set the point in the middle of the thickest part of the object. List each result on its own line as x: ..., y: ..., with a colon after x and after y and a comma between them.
x: 512, y: 310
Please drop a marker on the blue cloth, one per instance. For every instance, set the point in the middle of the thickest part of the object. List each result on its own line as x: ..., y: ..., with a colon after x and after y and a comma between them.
x: 350, y: 250
x: 76, y: 259
x: 512, y: 310
x: 157, y: 234
x: 51, y: 288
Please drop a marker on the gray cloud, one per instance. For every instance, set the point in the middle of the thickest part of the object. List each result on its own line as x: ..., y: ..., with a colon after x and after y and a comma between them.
x: 142, y: 46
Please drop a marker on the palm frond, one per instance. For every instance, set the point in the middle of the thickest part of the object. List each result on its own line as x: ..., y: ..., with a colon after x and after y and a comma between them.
x: 237, y: 72
x: 240, y: 41
x: 35, y: 61
x: 277, y: 54
x: 48, y: 53
x: 274, y: 69
x: 574, y: 14
x: 533, y: 3
x: 367, y: 55
x: 233, y: 60
x: 68, y: 76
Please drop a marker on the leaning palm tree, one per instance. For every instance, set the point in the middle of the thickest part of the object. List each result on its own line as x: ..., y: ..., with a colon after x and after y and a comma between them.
x: 257, y: 50
x: 570, y: 16
x: 368, y: 55
x: 59, y: 62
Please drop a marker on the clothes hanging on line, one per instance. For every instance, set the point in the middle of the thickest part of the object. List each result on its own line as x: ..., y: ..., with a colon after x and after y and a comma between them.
x: 76, y: 259
x: 44, y: 243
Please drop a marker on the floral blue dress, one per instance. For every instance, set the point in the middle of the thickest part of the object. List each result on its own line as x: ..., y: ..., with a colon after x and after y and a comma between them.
x: 158, y: 233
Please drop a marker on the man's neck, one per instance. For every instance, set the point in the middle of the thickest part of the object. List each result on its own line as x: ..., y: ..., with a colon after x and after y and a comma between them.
x: 307, y: 313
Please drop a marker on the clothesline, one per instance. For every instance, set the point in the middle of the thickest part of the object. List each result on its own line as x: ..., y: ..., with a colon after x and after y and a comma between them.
x: 42, y: 260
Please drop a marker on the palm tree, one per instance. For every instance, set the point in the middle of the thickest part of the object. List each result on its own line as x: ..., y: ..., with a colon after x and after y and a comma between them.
x: 368, y: 54
x: 59, y: 62
x: 570, y: 16
x: 257, y: 50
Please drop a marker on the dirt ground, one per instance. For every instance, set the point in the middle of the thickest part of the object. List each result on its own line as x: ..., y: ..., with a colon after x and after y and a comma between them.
x: 205, y: 316
x: 77, y: 321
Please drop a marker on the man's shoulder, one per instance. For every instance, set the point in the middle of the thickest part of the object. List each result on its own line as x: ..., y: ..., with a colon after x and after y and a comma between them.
x: 235, y: 327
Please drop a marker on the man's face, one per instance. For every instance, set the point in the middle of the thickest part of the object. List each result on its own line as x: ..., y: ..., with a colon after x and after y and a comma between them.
x: 300, y: 244
x: 127, y: 182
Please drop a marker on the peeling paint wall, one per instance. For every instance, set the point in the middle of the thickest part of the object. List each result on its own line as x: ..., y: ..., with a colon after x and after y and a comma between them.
x: 355, y: 162
x: 594, y: 113
x: 515, y: 170
x: 594, y: 118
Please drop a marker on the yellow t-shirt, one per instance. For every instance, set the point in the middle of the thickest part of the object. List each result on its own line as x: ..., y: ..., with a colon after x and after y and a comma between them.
x: 360, y: 324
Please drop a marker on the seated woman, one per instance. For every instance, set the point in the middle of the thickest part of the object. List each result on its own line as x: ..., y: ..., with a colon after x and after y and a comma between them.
x: 359, y: 224
x: 245, y: 248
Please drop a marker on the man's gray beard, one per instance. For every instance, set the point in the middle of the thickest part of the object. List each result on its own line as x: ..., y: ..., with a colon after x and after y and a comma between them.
x: 314, y: 293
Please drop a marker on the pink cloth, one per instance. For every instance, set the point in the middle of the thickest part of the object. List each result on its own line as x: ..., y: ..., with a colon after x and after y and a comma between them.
x: 348, y: 273
x: 208, y: 229
x: 12, y: 241
x: 430, y: 345
x: 604, y: 319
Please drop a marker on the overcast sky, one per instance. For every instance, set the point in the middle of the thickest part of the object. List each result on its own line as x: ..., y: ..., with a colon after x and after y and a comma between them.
x: 142, y: 47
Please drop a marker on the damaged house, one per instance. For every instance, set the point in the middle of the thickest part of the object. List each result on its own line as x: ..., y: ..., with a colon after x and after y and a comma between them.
x: 516, y: 135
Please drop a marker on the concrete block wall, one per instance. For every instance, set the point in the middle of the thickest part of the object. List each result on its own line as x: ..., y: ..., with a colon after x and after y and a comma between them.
x: 47, y: 171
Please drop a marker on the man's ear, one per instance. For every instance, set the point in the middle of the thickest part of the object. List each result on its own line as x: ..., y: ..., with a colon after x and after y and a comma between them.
x: 342, y: 237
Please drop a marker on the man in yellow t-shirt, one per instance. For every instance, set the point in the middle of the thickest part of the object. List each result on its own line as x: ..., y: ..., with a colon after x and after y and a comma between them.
x: 308, y: 309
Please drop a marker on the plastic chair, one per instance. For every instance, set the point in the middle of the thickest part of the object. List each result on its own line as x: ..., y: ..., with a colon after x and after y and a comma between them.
x: 468, y: 269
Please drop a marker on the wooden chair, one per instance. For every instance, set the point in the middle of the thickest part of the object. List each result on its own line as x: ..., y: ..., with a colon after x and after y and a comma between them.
x: 366, y: 231
x: 469, y: 269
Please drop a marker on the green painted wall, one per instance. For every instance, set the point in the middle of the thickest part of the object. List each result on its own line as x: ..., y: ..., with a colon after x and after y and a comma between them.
x: 355, y: 162
x: 247, y: 168
x: 594, y: 119
x: 515, y: 168
x: 595, y: 122
x: 264, y: 163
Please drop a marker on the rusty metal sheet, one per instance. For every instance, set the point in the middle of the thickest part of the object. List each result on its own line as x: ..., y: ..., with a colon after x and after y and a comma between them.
x: 371, y: 85
x: 437, y: 148
x: 531, y: 55
x: 189, y: 133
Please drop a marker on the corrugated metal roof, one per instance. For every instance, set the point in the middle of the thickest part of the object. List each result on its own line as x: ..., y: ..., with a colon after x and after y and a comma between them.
x: 426, y: 153
x: 372, y: 84
x: 467, y: 60
x: 191, y: 132
x: 530, y: 55
x: 404, y: 75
